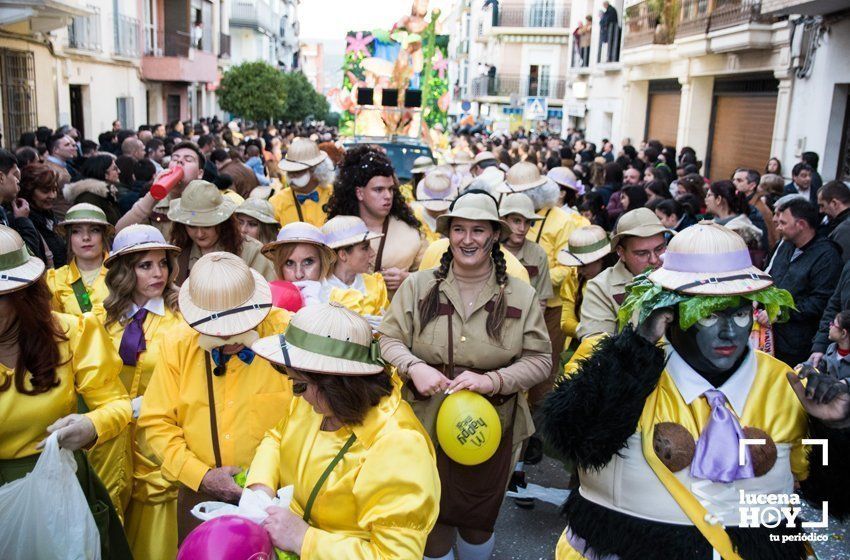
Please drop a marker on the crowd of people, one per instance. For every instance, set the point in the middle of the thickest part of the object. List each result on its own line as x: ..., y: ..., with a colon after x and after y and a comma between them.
x: 292, y: 310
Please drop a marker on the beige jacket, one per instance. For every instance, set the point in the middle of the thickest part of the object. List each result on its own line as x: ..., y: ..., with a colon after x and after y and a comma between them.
x: 536, y: 263
x: 522, y: 357
x: 404, y: 246
x: 602, y: 299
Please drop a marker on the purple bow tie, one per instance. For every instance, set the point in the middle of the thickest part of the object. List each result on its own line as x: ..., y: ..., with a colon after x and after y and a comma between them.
x: 716, y: 456
x: 133, y: 339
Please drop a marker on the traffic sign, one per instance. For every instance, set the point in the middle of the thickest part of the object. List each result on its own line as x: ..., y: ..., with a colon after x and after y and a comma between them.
x: 536, y: 108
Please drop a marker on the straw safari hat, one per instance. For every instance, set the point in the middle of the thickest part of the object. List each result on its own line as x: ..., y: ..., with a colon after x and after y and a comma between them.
x: 422, y: 164
x: 135, y: 239
x: 84, y: 213
x: 640, y: 222
x: 258, y: 208
x: 586, y: 245
x: 522, y: 176
x: 344, y: 231
x: 460, y: 158
x: 324, y: 338
x: 483, y: 156
x: 298, y: 232
x: 473, y: 206
x: 201, y: 204
x: 518, y: 203
x: 302, y: 154
x: 18, y: 268
x: 565, y: 177
x: 223, y: 296
x: 435, y: 192
x: 709, y: 259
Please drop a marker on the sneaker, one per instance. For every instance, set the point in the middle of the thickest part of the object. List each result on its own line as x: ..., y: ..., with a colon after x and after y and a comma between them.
x: 517, y: 482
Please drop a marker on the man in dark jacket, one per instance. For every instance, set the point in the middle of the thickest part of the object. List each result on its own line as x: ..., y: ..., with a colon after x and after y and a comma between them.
x: 839, y: 301
x: 834, y: 202
x: 807, y: 265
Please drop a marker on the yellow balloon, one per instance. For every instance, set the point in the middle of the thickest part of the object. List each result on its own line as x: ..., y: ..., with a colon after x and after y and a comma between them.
x: 468, y: 428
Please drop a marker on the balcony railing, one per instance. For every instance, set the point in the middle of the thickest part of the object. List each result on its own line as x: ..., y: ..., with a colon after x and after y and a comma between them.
x: 693, y: 18
x: 531, y: 16
x: 128, y: 40
x: 257, y: 13
x: 169, y: 43
x: 223, y: 45
x: 84, y: 32
x: 505, y: 85
x: 643, y: 26
x: 729, y: 13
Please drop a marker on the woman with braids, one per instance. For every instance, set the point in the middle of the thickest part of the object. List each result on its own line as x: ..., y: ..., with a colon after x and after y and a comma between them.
x: 468, y: 325
x: 49, y: 361
x: 368, y: 187
x: 140, y: 310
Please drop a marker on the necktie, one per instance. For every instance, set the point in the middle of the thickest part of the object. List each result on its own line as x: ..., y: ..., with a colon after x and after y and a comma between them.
x: 302, y: 198
x: 133, y: 339
x: 716, y: 456
x: 220, y: 359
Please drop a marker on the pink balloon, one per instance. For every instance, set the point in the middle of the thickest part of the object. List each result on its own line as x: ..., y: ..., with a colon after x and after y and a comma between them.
x: 227, y: 538
x: 286, y: 295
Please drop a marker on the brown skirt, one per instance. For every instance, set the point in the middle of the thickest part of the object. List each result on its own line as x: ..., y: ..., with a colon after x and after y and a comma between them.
x: 471, y: 496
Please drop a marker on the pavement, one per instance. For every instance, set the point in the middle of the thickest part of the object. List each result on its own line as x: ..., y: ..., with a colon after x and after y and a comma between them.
x: 531, y: 534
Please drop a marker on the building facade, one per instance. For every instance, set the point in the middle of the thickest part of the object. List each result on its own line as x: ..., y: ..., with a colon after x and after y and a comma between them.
x: 312, y: 64
x: 733, y: 79
x: 265, y: 30
x: 70, y: 63
x: 506, y: 52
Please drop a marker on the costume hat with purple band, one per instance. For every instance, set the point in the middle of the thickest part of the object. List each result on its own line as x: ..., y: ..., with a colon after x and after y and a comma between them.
x: 435, y: 192
x: 345, y: 231
x: 711, y: 260
x: 137, y: 238
x: 298, y: 232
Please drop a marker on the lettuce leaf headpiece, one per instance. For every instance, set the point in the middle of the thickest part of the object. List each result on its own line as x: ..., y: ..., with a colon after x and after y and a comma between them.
x: 647, y: 296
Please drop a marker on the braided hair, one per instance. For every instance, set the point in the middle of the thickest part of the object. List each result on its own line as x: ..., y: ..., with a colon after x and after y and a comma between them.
x: 429, y: 306
x: 358, y: 167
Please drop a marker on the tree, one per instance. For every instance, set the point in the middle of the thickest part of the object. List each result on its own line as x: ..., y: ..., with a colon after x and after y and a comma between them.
x: 302, y: 100
x: 253, y: 91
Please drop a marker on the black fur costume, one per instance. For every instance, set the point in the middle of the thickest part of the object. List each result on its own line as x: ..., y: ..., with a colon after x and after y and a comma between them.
x: 589, y: 418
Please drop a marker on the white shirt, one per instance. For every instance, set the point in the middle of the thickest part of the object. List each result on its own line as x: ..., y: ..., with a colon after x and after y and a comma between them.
x: 332, y: 282
x: 692, y: 385
x: 154, y: 305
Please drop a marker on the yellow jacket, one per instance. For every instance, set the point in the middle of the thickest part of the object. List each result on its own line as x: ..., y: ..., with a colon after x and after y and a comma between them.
x: 429, y: 224
x: 284, y: 202
x: 556, y: 225
x: 175, y: 419
x: 569, y: 296
x: 434, y: 252
x: 380, y: 501
x: 59, y: 281
x: 89, y: 367
x: 372, y: 301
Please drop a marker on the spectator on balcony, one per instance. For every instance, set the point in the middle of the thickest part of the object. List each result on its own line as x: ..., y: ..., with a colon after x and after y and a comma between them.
x: 583, y: 34
x: 609, y: 32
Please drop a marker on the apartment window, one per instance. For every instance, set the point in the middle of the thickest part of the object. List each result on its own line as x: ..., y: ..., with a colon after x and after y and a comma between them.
x: 17, y: 90
x: 538, y: 80
x: 127, y: 36
x: 542, y: 13
x: 125, y: 113
x: 84, y: 31
x: 149, y: 9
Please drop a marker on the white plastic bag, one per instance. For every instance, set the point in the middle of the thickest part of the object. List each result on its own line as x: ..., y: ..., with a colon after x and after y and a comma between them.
x: 252, y: 505
x: 45, y: 515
